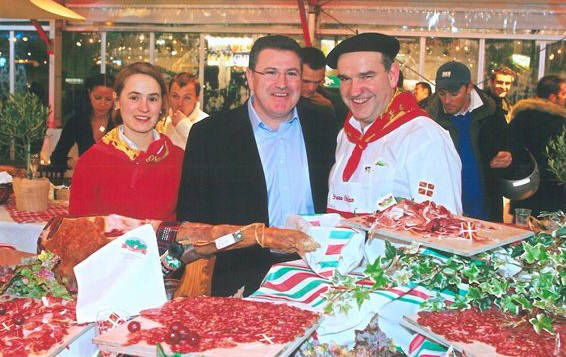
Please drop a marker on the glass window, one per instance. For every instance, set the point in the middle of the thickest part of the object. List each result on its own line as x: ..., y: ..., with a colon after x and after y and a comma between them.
x: 519, y: 55
x: 123, y: 48
x: 4, y: 65
x: 81, y: 59
x: 408, y: 58
x: 177, y: 52
x: 442, y: 50
x: 224, y: 72
x: 556, y: 59
x: 32, y: 66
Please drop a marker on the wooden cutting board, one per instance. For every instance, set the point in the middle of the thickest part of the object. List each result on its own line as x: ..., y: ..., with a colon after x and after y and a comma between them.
x: 476, y: 349
x: 499, y: 235
x: 113, y: 341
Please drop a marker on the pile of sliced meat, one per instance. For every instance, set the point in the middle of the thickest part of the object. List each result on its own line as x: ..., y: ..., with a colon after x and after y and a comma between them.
x: 509, y: 335
x: 215, y: 322
x: 29, y: 326
x: 426, y: 218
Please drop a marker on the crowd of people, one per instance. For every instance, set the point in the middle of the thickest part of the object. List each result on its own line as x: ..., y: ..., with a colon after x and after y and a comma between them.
x: 296, y: 147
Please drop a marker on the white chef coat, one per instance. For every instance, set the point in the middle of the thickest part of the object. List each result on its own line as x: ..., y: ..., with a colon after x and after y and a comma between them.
x: 417, y: 161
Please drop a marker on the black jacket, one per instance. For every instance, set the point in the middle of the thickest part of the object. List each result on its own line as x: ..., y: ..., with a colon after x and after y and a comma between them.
x: 76, y: 130
x: 223, y: 182
x: 490, y: 134
x: 534, y: 122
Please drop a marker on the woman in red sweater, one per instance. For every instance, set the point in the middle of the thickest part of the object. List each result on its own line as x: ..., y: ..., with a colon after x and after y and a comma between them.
x: 133, y: 170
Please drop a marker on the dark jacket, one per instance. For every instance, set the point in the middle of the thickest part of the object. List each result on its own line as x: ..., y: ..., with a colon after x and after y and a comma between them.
x: 223, y: 182
x: 76, y: 130
x: 340, y: 109
x: 489, y: 133
x: 534, y: 122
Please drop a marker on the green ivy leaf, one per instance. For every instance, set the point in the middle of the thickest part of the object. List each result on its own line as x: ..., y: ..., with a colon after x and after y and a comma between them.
x: 361, y: 294
x: 542, y: 322
x: 506, y: 304
x: 523, y: 301
x: 472, y: 272
x: 460, y: 304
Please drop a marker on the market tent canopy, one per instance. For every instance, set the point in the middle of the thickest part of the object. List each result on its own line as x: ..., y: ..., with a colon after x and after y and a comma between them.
x: 36, y: 9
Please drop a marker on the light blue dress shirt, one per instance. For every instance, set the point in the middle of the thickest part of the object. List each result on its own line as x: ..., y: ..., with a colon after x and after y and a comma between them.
x: 285, y: 167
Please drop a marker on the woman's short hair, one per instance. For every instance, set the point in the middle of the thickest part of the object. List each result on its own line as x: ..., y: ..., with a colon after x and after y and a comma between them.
x: 140, y: 68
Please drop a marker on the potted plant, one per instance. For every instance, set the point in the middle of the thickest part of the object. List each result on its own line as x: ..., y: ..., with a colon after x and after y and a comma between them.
x: 556, y: 152
x: 23, y: 122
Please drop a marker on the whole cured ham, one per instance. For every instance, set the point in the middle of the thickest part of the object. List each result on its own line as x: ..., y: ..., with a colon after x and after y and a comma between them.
x: 73, y: 239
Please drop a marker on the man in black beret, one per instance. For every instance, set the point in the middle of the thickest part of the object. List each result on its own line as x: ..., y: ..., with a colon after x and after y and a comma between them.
x: 388, y: 145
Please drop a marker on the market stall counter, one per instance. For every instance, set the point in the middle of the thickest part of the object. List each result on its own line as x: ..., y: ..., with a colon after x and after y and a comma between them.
x: 371, y: 297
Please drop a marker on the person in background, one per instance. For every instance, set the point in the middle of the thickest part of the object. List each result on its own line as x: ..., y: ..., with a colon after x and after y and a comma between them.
x: 423, y: 92
x: 388, y: 144
x: 133, y: 170
x: 314, y: 72
x: 534, y: 122
x: 479, y: 131
x: 184, y: 109
x: 90, y: 125
x: 260, y: 162
x: 500, y: 83
x: 401, y: 81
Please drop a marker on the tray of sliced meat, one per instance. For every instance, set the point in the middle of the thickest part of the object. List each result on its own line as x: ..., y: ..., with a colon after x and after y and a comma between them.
x: 434, y: 226
x: 487, y: 333
x: 213, y: 326
x: 30, y: 327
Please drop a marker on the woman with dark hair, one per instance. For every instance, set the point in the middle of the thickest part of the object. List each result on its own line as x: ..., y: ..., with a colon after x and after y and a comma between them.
x: 133, y: 170
x: 89, y: 125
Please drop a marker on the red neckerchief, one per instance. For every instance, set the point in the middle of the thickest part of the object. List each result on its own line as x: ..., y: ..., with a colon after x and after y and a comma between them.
x: 402, y: 108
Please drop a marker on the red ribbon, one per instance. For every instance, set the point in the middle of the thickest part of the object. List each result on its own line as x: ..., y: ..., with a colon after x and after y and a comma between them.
x: 402, y: 109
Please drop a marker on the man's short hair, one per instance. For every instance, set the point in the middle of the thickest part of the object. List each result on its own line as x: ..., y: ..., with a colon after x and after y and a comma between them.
x: 275, y: 42
x: 313, y: 57
x: 502, y: 70
x: 548, y: 85
x: 184, y: 78
x: 425, y: 85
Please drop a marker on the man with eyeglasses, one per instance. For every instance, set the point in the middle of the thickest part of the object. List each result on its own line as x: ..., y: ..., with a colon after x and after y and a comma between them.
x: 260, y: 162
x: 314, y: 74
x: 388, y: 146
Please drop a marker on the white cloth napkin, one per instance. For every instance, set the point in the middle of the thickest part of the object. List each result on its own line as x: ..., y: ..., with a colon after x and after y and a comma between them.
x: 124, y: 275
x: 341, y: 248
x: 5, y: 177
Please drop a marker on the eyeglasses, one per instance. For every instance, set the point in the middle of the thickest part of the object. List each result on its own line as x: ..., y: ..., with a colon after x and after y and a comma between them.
x: 291, y: 75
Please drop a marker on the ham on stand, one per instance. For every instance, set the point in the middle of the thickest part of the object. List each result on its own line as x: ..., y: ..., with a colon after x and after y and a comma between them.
x: 73, y: 239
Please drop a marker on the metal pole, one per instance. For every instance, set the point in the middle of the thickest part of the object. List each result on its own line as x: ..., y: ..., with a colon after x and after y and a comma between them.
x: 12, y: 73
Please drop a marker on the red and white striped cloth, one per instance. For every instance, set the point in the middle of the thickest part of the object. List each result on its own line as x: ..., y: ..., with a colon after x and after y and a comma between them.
x: 54, y: 209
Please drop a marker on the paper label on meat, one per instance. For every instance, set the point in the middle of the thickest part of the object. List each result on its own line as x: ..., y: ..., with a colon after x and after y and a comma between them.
x: 385, y: 202
x: 227, y: 240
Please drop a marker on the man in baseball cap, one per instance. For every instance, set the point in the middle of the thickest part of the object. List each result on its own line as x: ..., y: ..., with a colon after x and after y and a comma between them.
x: 479, y: 131
x: 388, y: 145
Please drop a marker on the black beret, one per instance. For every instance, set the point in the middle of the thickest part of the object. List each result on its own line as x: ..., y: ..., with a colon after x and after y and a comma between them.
x: 365, y: 42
